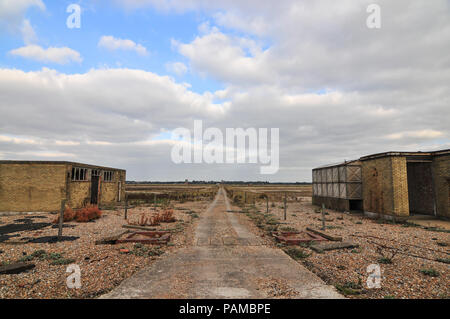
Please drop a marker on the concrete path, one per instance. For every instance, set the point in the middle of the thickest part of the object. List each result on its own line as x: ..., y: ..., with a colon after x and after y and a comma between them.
x: 226, y: 261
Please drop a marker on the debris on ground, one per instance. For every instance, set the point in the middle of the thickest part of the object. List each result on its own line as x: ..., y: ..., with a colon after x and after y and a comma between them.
x: 15, y: 268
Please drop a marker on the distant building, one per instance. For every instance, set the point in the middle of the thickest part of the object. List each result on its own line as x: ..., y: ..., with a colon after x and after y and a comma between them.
x: 391, y: 183
x: 27, y: 186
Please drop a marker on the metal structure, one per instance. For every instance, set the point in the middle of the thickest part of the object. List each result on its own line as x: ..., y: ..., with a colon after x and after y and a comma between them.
x: 338, y: 186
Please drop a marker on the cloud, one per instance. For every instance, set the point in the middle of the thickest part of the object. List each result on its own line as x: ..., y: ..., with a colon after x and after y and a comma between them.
x: 232, y: 60
x: 335, y: 89
x: 178, y: 68
x: 422, y: 134
x: 61, y: 55
x: 28, y: 34
x: 12, y: 17
x: 111, y: 117
x: 112, y: 43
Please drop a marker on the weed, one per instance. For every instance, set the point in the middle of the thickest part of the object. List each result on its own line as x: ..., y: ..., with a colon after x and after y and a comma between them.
x: 62, y: 261
x: 349, y: 288
x: 384, y: 260
x: 430, y: 272
x: 443, y: 260
x: 333, y: 227
x: 143, y: 251
x: 288, y: 229
x: 296, y: 253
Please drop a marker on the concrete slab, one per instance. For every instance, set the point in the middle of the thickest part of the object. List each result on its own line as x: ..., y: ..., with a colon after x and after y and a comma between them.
x: 443, y: 224
x: 222, y: 271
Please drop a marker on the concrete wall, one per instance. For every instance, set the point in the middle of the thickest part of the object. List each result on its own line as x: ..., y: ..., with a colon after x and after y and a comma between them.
x: 32, y: 187
x: 441, y: 175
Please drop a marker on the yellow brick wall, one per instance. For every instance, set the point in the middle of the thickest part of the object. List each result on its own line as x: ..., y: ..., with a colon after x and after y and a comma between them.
x: 400, y: 186
x: 441, y: 170
x: 79, y: 194
x: 110, y: 190
x: 377, y: 186
x: 31, y: 187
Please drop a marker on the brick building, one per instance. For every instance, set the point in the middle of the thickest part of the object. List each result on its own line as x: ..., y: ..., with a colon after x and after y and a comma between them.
x: 396, y: 184
x: 27, y: 186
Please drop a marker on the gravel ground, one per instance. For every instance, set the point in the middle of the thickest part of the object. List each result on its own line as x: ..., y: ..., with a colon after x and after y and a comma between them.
x: 103, y: 267
x: 348, y: 267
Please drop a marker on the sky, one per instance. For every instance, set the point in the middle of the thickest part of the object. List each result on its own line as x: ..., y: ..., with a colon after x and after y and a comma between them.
x: 112, y: 91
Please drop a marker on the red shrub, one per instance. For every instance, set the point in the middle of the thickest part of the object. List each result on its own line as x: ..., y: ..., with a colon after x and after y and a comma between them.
x: 143, y: 220
x: 83, y: 215
x: 69, y: 215
x: 167, y: 216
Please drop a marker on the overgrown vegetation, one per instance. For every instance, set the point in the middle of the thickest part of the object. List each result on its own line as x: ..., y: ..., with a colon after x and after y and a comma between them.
x: 145, y: 251
x: 430, y: 272
x: 52, y: 258
x: 83, y: 215
x: 350, y: 288
x: 296, y: 253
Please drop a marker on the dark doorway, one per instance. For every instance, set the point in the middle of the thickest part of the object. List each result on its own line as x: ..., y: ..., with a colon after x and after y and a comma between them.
x: 355, y: 205
x: 420, y: 188
x: 94, y: 189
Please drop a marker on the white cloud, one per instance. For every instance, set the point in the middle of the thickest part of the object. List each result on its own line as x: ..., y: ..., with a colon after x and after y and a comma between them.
x: 61, y: 55
x: 178, y: 68
x: 28, y: 34
x: 421, y: 134
x: 233, y: 60
x: 17, y: 140
x: 112, y: 43
x: 12, y: 14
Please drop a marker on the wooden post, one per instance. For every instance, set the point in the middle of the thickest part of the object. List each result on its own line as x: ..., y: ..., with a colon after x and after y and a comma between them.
x: 126, y: 207
x: 245, y: 197
x: 154, y: 200
x: 323, y: 216
x: 61, y: 218
x: 267, y: 204
x: 285, y: 206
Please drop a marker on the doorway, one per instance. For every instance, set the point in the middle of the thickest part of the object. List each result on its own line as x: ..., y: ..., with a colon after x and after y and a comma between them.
x: 94, y: 189
x: 420, y: 188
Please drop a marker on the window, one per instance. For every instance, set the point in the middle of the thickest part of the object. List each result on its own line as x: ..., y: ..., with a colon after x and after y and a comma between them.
x: 95, y: 172
x: 79, y: 174
x: 108, y: 176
